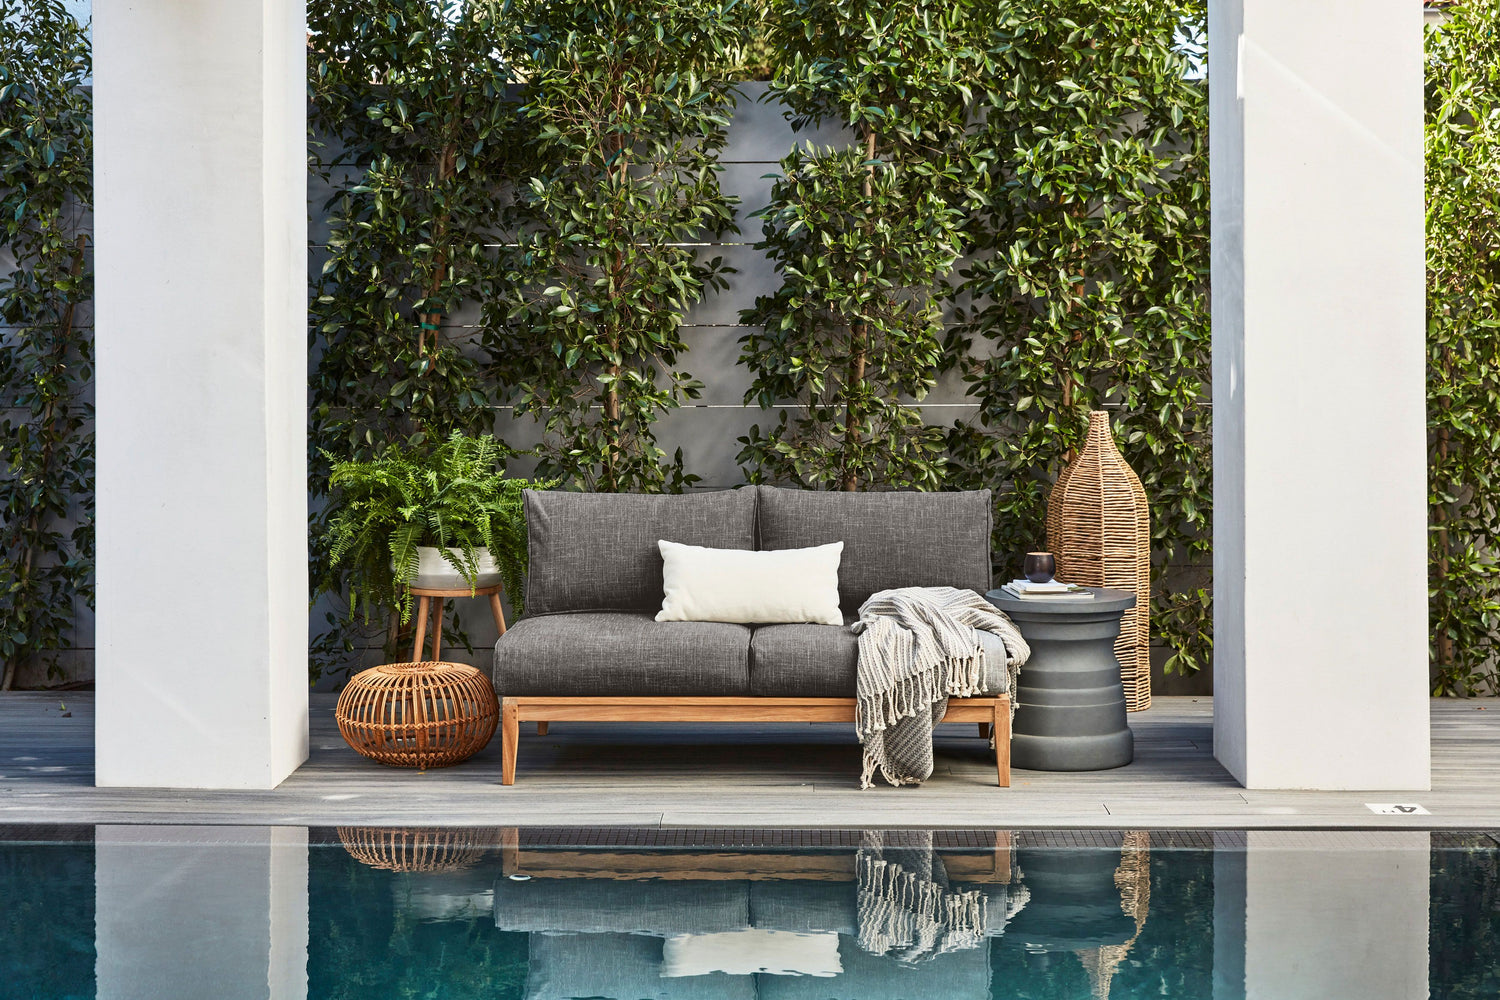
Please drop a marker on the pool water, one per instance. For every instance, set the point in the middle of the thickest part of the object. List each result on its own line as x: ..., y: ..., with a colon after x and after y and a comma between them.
x: 164, y: 912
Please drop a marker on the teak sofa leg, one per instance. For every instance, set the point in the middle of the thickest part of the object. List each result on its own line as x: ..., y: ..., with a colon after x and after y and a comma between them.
x: 541, y: 729
x: 1002, y: 742
x: 510, y: 740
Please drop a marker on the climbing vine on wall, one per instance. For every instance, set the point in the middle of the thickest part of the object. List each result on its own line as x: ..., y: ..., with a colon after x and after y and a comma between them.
x: 1463, y: 345
x: 413, y: 134
x: 863, y: 239
x: 46, y: 332
x: 623, y: 131
x: 1087, y: 288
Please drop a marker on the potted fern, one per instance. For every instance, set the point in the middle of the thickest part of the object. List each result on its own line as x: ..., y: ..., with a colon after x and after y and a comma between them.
x: 445, y: 517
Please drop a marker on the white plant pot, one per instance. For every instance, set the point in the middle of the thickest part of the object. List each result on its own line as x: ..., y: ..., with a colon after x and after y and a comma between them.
x: 436, y: 573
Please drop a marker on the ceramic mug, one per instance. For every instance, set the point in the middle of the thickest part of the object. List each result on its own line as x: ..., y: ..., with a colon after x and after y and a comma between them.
x: 1039, y: 567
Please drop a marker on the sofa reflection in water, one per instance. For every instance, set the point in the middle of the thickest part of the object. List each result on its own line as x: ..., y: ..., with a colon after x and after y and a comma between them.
x: 873, y: 916
x: 894, y: 919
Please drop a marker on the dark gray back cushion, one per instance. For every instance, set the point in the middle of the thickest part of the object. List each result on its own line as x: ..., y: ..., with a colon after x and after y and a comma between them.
x: 598, y: 551
x: 890, y: 539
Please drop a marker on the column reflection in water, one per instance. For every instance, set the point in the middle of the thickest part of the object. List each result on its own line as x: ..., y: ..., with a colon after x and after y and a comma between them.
x: 201, y: 911
x: 1303, y: 915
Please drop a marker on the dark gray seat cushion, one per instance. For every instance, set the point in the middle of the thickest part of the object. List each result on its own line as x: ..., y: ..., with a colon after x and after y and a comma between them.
x: 595, y: 906
x: 621, y: 653
x: 598, y: 551
x: 804, y: 907
x: 956, y: 975
x: 617, y: 967
x: 822, y: 661
x: 890, y: 539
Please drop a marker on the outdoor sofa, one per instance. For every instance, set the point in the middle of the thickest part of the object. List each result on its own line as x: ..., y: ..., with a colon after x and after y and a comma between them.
x: 589, y: 647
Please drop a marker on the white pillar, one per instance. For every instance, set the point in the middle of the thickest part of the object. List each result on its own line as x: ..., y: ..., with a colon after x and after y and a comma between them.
x: 185, y: 911
x: 1298, y: 920
x: 1320, y: 573
x: 201, y: 216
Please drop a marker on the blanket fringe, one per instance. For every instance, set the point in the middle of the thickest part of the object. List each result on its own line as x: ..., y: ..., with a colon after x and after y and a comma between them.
x: 918, y: 647
x: 912, y: 916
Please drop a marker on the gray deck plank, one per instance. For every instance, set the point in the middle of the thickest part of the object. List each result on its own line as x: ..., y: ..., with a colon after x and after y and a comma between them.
x: 739, y: 776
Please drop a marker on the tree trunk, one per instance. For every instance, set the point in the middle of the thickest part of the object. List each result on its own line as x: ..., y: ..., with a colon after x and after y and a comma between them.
x: 859, y: 348
x: 613, y: 450
x: 430, y: 320
x: 1439, y: 518
x: 1067, y: 406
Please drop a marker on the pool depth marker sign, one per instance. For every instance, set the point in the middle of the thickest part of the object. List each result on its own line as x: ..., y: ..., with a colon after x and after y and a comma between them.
x: 1396, y: 809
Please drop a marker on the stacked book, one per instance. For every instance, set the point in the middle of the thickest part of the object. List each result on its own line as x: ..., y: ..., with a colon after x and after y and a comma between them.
x: 1025, y: 590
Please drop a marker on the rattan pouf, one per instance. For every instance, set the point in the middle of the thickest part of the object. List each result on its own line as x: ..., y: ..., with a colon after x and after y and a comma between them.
x: 418, y: 849
x: 427, y: 714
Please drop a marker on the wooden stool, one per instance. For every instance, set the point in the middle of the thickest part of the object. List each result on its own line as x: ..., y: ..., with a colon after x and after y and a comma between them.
x: 423, y: 595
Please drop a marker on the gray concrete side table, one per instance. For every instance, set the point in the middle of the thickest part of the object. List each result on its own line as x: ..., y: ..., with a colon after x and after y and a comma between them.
x: 1070, y: 713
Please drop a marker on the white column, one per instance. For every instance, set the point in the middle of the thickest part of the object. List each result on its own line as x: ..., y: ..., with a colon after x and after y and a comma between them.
x: 200, y: 911
x: 1320, y: 575
x: 201, y: 214
x: 1299, y: 919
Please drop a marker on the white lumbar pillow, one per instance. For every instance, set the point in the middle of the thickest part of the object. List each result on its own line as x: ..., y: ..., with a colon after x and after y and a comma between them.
x: 748, y: 587
x: 744, y: 953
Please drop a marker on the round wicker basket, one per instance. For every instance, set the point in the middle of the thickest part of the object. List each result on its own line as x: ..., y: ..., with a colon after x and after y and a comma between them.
x: 417, y: 849
x: 1099, y: 528
x: 428, y: 714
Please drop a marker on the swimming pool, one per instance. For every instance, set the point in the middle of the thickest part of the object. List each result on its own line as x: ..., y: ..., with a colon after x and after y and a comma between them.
x: 155, y: 911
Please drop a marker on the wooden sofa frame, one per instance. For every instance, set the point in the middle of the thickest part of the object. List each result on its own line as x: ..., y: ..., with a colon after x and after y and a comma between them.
x: 624, y: 863
x: 987, y: 712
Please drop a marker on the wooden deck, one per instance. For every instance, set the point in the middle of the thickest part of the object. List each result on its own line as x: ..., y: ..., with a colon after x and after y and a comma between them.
x: 740, y: 777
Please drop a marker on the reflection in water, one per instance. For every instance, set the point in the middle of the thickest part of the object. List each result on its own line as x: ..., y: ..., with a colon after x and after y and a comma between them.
x: 674, y: 915
x: 1092, y: 903
x: 893, y: 915
x: 418, y: 849
x: 47, y: 919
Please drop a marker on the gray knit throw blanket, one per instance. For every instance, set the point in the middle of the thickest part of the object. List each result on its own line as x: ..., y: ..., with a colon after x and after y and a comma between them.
x: 918, y: 647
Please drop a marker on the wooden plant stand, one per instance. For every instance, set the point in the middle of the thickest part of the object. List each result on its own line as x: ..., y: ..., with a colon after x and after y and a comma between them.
x: 437, y: 597
x: 513, y: 711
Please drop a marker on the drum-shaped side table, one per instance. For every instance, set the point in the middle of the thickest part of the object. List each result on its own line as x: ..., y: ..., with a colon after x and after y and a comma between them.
x: 1070, y: 702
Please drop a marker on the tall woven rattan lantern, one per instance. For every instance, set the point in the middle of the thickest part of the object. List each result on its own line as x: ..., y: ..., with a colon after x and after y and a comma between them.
x: 1099, y: 530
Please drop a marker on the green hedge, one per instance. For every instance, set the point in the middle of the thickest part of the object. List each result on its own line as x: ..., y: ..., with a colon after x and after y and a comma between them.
x: 1055, y: 147
x: 1463, y: 345
x: 864, y: 239
x: 623, y: 116
x: 1058, y: 147
x: 46, y: 355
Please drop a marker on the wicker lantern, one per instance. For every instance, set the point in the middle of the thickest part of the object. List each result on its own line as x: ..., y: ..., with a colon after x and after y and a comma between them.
x: 1099, y: 529
x: 1133, y: 879
x: 418, y: 714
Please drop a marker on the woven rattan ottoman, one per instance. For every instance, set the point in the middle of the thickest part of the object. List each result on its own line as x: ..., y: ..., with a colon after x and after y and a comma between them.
x: 428, y: 714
